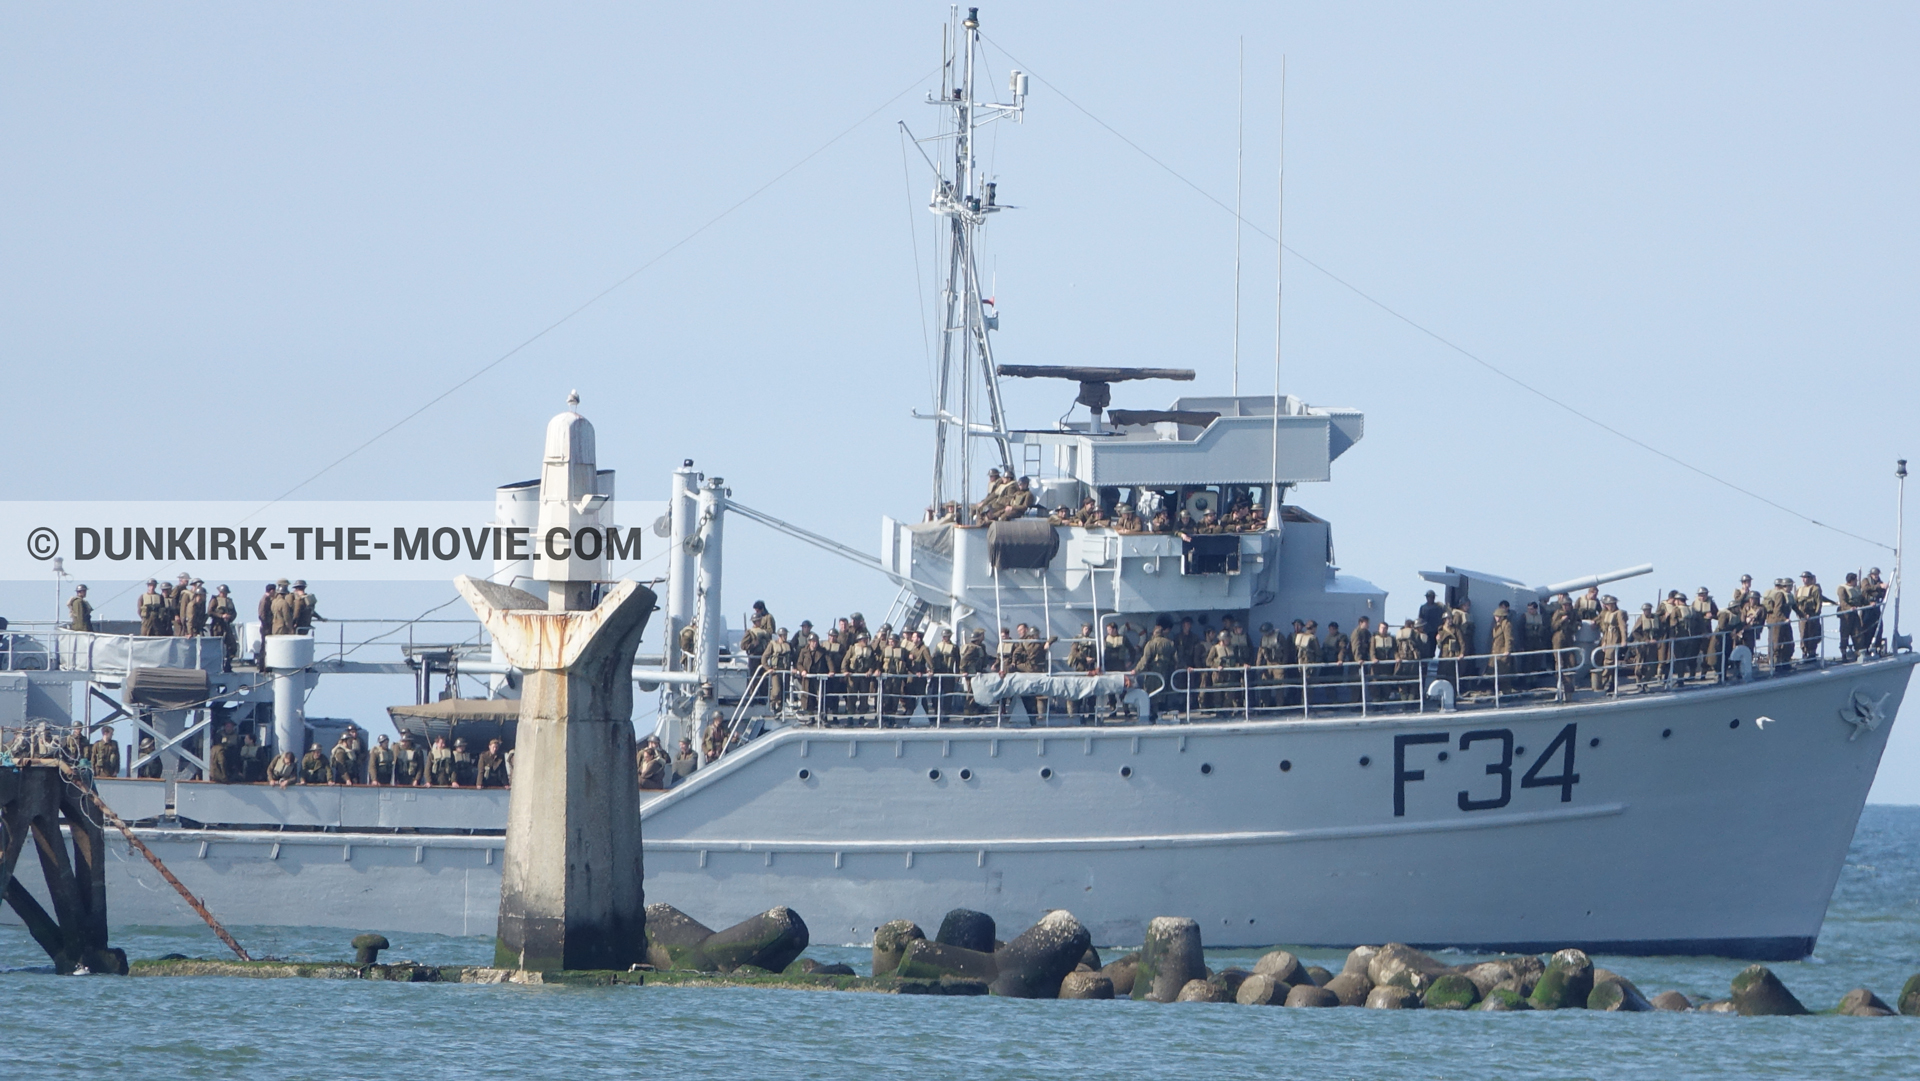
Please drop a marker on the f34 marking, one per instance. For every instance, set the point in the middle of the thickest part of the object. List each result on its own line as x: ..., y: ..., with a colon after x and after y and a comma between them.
x: 1562, y: 746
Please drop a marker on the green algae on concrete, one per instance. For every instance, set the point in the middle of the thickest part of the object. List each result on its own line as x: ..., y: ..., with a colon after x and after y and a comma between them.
x: 407, y: 973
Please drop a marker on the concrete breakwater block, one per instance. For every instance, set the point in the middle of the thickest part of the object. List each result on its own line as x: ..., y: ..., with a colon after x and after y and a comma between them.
x: 1349, y: 988
x: 1672, y: 1002
x: 890, y: 942
x: 1392, y: 997
x: 770, y: 941
x: 967, y: 929
x: 1757, y: 992
x: 1615, y: 993
x: 1202, y: 991
x: 1861, y: 1002
x: 1261, y: 989
x: 1450, y: 991
x: 1909, y: 1001
x: 1282, y: 966
x: 1311, y: 996
x: 1170, y: 957
x: 1122, y: 970
x: 1565, y: 984
x: 1400, y: 965
x: 1035, y: 962
x: 1086, y: 985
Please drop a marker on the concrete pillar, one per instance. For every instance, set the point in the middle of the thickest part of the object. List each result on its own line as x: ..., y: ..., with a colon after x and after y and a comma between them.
x: 570, y: 891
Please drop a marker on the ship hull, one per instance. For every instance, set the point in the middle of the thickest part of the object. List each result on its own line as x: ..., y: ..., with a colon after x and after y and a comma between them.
x: 1712, y: 821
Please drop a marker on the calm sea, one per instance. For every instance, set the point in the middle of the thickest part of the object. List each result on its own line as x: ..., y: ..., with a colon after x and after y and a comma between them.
x: 163, y: 1029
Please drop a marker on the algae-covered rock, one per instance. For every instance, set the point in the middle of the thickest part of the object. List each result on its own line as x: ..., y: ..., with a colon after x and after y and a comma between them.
x: 890, y: 941
x: 967, y: 929
x: 1282, y: 966
x: 925, y: 960
x: 1909, y: 1001
x: 1319, y: 976
x: 1452, y: 991
x: 1488, y: 975
x: 1308, y: 995
x: 366, y: 948
x: 1615, y: 993
x: 1202, y: 991
x: 1034, y: 962
x: 1261, y: 989
x: 1757, y: 992
x: 1565, y: 984
x: 1861, y: 1002
x: 1170, y: 957
x: 1403, y: 966
x: 1086, y: 985
x: 1671, y: 1001
x: 1349, y: 988
x: 770, y: 941
x: 674, y: 938
x: 1392, y: 997
x: 1121, y: 970
x: 1229, y: 980
x: 1501, y: 998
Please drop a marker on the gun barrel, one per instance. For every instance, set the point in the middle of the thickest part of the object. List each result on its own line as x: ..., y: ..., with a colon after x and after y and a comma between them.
x: 1595, y: 580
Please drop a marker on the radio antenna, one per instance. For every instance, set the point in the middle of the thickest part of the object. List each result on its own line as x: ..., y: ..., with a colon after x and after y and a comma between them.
x: 1239, y: 170
x: 1279, y: 292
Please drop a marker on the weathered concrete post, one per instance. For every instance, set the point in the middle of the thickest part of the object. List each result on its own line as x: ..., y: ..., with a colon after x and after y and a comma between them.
x: 570, y: 893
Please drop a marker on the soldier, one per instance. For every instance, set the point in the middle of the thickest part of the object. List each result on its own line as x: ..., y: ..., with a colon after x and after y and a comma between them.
x: 1874, y: 592
x: 1432, y: 614
x: 1157, y: 656
x: 760, y: 618
x: 492, y: 767
x: 466, y: 771
x: 1083, y: 656
x: 223, y: 757
x: 859, y: 664
x: 1647, y: 636
x: 973, y: 661
x: 409, y: 765
x: 313, y: 766
x: 79, y: 612
x: 653, y: 768
x: 440, y: 764
x: 810, y: 670
x: 188, y: 611
x: 1187, y: 643
x: 1383, y: 653
x: 943, y: 661
x: 1614, y: 635
x: 74, y: 747
x: 992, y: 499
x: 382, y: 761
x: 777, y: 659
x: 340, y: 762
x: 304, y: 609
x: 1449, y: 647
x: 1591, y: 604
x: 283, y: 771
x: 685, y: 762
x: 896, y: 664
x: 221, y: 616
x: 1807, y: 600
x: 281, y: 607
x: 1744, y: 591
x: 1360, y: 648
x: 152, y: 608
x: 104, y: 755
x: 150, y: 768
x: 1778, y: 606
x: 253, y: 760
x: 1500, y: 643
x: 1566, y: 643
x: 1850, y: 601
x: 199, y: 622
x: 714, y: 743
x: 264, y: 613
x: 1337, y: 653
x: 689, y: 637
x: 1731, y: 631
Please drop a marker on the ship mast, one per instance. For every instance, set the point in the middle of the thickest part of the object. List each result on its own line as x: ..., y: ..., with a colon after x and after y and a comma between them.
x: 968, y: 385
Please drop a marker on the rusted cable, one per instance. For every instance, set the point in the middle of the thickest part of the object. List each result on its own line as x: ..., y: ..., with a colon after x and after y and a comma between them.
x: 193, y: 902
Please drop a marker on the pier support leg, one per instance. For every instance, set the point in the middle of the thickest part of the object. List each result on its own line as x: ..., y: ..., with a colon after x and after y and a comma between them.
x: 75, y: 934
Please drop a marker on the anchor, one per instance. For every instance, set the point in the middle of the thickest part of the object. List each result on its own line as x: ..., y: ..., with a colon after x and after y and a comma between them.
x: 1864, y: 713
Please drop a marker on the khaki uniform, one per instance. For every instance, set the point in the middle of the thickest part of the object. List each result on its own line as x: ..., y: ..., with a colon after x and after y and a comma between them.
x: 778, y: 661
x: 313, y: 768
x: 79, y: 614
x: 104, y: 757
x: 153, y: 614
x: 493, y: 770
x: 440, y: 767
x: 282, y: 609
x: 1778, y: 606
x: 409, y: 765
x: 1612, y: 624
x: 1158, y: 656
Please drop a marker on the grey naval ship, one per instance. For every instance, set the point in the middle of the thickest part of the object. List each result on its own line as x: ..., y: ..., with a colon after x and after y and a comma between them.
x: 1692, y: 795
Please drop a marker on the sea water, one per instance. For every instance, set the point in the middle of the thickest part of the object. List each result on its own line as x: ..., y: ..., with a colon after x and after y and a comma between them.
x: 163, y: 1029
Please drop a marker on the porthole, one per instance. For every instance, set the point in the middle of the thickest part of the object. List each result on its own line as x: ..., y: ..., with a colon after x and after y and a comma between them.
x: 1046, y: 772
x: 1735, y: 723
x: 1366, y: 760
x: 1206, y: 767
x: 965, y: 774
x: 804, y: 774
x: 1286, y: 764
x: 1666, y: 733
x: 933, y: 775
x: 1126, y: 771
x: 1443, y: 756
x: 1594, y: 742
x: 1519, y: 751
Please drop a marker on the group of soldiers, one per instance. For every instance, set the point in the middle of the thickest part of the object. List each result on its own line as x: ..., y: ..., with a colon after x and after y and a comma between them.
x: 185, y: 610
x: 235, y: 757
x: 1013, y: 497
x: 855, y: 671
x: 660, y: 771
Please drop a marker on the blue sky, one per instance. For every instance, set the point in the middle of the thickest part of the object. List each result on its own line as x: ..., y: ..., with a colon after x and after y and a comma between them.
x: 244, y: 239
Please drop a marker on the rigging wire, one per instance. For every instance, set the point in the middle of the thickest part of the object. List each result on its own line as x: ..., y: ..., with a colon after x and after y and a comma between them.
x: 595, y: 299
x: 919, y: 283
x: 1435, y: 335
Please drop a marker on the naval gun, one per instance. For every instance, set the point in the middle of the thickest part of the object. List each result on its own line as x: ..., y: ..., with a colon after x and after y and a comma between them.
x: 1486, y: 591
x: 1096, y: 390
